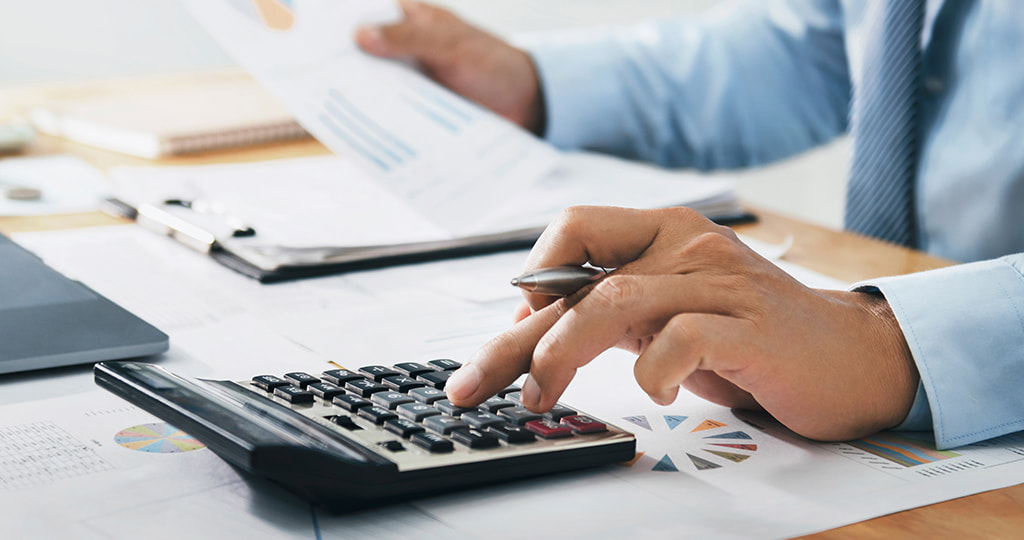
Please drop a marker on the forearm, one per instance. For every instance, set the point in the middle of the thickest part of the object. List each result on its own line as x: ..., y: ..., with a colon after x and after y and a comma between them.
x: 747, y: 84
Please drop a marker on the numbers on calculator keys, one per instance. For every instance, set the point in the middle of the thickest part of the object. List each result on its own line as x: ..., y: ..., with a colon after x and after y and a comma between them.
x: 407, y: 401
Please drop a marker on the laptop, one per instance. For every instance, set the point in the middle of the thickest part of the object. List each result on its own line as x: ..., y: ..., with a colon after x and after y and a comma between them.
x: 48, y: 320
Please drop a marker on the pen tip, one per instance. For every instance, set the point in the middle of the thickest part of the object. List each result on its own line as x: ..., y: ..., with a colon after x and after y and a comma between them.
x: 515, y: 282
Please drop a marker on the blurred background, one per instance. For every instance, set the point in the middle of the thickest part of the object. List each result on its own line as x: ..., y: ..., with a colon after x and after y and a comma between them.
x: 53, y: 40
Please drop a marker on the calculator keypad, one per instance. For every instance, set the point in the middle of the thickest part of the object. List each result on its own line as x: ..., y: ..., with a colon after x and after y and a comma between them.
x: 402, y: 412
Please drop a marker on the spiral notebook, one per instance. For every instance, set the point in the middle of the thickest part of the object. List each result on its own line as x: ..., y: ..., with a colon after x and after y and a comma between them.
x: 178, y: 120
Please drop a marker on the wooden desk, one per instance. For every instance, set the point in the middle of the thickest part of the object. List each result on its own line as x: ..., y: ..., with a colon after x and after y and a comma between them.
x: 995, y: 514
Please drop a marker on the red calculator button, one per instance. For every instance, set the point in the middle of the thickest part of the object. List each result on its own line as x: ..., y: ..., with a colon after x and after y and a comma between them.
x: 548, y: 429
x: 584, y: 424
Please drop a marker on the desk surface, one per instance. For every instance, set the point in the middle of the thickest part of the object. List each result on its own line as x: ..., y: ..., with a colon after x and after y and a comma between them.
x: 995, y: 514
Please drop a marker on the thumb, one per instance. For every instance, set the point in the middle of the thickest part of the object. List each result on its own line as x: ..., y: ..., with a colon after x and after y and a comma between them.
x: 423, y: 34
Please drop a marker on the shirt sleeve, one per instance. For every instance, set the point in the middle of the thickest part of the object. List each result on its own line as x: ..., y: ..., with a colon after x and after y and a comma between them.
x: 965, y: 328
x: 744, y: 84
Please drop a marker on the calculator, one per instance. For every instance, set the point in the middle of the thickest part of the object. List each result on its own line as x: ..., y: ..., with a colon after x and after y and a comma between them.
x: 378, y: 434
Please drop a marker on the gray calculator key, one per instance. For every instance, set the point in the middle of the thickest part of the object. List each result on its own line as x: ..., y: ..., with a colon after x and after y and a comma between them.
x: 340, y: 376
x: 293, y: 394
x: 448, y: 408
x: 350, y: 402
x: 416, y: 412
x: 558, y: 412
x: 518, y: 416
x: 301, y: 379
x: 390, y: 400
x: 427, y: 395
x: 401, y: 383
x: 402, y: 427
x: 412, y: 369
x: 444, y: 424
x: 495, y: 403
x: 377, y: 415
x: 482, y: 420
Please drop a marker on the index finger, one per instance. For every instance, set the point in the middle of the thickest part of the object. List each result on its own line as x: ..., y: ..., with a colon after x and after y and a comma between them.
x: 501, y: 360
x: 607, y: 237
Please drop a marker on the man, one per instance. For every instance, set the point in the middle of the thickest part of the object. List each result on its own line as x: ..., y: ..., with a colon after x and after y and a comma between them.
x: 933, y: 95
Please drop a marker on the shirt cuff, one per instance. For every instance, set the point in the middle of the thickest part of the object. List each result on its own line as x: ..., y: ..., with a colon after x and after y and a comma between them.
x: 965, y: 329
x: 580, y: 86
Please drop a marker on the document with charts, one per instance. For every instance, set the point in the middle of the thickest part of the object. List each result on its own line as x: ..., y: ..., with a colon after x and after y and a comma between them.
x: 447, y: 156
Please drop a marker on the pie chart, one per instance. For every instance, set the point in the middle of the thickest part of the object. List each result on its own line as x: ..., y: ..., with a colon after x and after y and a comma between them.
x: 157, y: 438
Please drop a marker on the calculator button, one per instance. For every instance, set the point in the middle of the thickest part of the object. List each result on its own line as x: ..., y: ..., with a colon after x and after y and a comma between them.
x: 344, y: 421
x: 377, y: 415
x: 515, y: 397
x: 482, y: 420
x: 444, y: 364
x: 412, y: 369
x: 475, y: 438
x: 548, y: 429
x: 325, y: 390
x: 268, y: 382
x: 518, y: 416
x: 512, y: 434
x: 435, y: 378
x: 365, y: 387
x: 558, y: 412
x: 293, y: 394
x: 351, y: 403
x: 394, y: 446
x: 402, y: 427
x: 390, y: 400
x: 378, y: 372
x: 508, y: 390
x: 444, y: 424
x: 401, y: 383
x: 416, y: 412
x: 451, y: 410
x: 584, y: 424
x: 427, y: 395
x: 340, y: 376
x: 494, y: 404
x: 301, y: 379
x: 432, y: 442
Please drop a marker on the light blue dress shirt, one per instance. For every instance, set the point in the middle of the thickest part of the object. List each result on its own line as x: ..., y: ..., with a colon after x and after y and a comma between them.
x: 752, y: 82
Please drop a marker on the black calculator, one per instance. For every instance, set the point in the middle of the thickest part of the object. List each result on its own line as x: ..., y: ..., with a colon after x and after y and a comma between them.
x: 379, y: 434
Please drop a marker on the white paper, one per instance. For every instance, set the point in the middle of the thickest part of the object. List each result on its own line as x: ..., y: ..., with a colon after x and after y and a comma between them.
x: 67, y: 184
x: 326, y: 201
x: 763, y: 482
x: 448, y: 157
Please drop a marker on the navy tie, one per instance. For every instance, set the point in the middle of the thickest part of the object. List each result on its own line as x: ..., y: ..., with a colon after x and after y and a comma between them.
x: 883, y: 123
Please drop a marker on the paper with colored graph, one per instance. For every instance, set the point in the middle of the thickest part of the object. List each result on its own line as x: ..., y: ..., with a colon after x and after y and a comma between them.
x: 448, y: 157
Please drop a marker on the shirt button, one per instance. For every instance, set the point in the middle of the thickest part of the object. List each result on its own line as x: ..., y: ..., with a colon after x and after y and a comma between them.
x: 934, y: 85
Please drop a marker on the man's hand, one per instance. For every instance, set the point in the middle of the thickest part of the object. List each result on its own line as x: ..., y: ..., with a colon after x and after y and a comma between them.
x: 465, y: 59
x: 704, y: 312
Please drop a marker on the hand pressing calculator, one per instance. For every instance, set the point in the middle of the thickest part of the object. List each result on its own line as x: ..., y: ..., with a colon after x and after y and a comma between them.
x: 377, y: 435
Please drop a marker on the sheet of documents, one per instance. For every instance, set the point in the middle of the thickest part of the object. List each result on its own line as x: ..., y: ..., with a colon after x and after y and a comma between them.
x: 65, y: 183
x: 701, y: 471
x: 448, y: 157
x: 326, y: 201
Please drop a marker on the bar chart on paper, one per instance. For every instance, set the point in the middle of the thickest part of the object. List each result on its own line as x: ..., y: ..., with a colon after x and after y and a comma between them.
x: 675, y: 443
x: 446, y: 156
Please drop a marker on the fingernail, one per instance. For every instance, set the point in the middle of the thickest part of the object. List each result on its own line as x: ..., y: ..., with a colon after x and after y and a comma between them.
x: 463, y: 383
x: 530, y: 393
x: 369, y: 37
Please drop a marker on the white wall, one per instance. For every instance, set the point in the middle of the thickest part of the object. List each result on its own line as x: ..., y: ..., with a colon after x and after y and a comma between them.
x: 71, y: 39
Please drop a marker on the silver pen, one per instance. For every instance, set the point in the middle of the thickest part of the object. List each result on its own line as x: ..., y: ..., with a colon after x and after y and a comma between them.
x: 559, y: 280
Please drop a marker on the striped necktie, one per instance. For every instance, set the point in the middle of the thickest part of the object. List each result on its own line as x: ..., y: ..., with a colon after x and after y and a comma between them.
x: 883, y: 123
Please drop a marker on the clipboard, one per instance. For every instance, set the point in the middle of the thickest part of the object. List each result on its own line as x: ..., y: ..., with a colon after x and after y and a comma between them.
x: 217, y: 237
